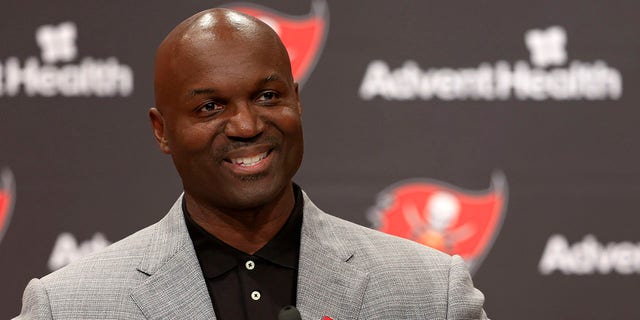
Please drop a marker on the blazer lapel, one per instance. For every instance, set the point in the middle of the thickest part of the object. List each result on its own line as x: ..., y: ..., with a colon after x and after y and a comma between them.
x: 175, y: 287
x: 327, y: 284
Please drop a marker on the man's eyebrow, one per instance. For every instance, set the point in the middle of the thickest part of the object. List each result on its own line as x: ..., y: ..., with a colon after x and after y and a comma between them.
x: 201, y: 91
x: 196, y: 92
x: 270, y: 78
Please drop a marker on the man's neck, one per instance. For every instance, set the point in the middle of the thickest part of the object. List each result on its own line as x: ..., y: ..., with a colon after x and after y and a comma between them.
x: 246, y: 230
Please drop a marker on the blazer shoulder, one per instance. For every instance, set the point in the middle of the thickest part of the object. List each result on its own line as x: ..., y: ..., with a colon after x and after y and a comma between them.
x: 94, y: 287
x: 374, y: 246
x: 427, y: 280
x: 114, y: 260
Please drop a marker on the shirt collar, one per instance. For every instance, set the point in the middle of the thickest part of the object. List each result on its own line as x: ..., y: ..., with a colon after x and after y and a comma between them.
x: 216, y: 257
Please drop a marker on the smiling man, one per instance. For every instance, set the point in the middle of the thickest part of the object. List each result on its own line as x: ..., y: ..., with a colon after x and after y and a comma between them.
x: 228, y: 113
x: 243, y: 241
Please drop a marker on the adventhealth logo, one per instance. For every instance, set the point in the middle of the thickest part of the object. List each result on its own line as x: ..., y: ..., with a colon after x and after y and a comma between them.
x: 67, y: 249
x: 589, y: 256
x: 547, y: 76
x: 57, y: 43
x: 55, y: 74
x: 547, y: 47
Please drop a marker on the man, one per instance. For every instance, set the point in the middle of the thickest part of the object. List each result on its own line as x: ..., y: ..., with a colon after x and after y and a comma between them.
x: 243, y: 240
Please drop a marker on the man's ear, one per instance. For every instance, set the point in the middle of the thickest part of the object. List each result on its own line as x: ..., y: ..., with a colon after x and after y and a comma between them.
x: 157, y: 123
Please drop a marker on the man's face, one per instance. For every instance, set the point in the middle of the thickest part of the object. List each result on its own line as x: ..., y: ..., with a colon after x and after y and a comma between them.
x: 231, y: 120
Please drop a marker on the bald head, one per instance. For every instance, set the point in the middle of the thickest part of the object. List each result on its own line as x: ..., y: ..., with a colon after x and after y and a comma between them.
x: 211, y: 32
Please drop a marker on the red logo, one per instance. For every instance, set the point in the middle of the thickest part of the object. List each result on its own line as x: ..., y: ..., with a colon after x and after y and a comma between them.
x: 7, y: 197
x: 302, y: 35
x: 443, y: 217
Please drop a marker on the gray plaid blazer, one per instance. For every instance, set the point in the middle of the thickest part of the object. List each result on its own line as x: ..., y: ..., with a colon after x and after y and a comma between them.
x: 346, y: 271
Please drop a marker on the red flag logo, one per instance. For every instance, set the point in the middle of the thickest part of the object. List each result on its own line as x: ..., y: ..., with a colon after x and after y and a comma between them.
x: 303, y: 36
x: 443, y: 217
x: 7, y: 197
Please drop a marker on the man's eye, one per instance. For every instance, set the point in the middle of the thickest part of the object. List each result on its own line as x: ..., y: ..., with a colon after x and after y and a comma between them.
x: 267, y: 96
x: 210, y: 107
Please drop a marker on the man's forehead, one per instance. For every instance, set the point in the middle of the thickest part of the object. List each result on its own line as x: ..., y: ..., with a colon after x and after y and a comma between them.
x: 215, y: 44
x: 213, y: 89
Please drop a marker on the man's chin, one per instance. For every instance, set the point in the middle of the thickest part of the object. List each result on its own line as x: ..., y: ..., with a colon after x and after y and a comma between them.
x: 253, y: 177
x: 257, y: 193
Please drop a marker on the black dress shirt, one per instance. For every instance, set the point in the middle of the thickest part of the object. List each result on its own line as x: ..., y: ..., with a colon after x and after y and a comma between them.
x: 250, y: 287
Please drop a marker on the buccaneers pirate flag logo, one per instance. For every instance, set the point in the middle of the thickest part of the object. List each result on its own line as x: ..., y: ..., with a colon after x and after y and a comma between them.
x: 7, y: 196
x: 442, y: 216
x: 302, y: 35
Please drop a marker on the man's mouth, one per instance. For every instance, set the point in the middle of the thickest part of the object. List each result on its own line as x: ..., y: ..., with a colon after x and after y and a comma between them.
x: 249, y: 161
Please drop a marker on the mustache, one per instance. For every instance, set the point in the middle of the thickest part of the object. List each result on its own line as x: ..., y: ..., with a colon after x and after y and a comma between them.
x: 237, y: 143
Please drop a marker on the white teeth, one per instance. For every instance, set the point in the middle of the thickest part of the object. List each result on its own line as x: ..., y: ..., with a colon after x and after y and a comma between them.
x: 249, y: 161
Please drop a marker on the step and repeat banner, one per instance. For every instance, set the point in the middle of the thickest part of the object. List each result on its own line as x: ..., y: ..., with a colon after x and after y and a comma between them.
x: 503, y: 131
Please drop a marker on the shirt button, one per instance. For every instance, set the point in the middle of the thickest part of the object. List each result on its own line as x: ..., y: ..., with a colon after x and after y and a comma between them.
x: 250, y: 265
x: 255, y: 295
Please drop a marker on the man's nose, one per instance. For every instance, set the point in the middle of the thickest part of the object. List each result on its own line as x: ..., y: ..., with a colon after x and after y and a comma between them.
x: 245, y: 123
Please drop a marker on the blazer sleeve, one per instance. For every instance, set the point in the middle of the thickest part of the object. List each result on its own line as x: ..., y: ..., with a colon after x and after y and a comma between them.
x: 464, y: 301
x: 35, y: 302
